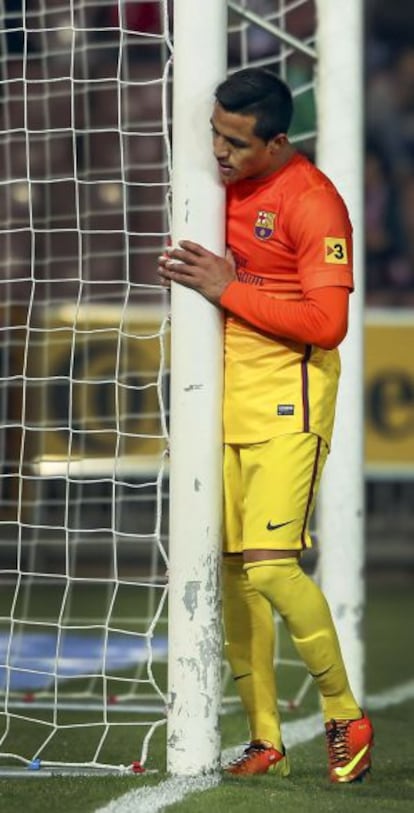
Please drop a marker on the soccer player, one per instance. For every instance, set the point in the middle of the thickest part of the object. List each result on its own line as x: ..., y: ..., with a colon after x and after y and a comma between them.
x: 284, y: 286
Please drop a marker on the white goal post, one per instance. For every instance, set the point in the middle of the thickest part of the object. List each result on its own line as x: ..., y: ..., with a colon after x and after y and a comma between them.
x: 340, y: 524
x: 340, y: 150
x: 195, y: 650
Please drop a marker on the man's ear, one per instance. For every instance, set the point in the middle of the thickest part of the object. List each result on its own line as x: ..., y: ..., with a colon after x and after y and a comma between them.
x: 277, y: 142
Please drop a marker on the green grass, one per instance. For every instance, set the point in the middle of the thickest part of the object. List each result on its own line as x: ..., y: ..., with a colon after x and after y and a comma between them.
x: 307, y: 789
x: 391, y: 787
x: 389, y: 662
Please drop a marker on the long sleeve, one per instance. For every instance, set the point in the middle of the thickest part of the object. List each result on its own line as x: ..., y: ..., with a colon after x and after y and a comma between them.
x: 320, y: 318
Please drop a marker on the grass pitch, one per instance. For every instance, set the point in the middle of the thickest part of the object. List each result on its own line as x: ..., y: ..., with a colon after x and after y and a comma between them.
x: 390, y: 662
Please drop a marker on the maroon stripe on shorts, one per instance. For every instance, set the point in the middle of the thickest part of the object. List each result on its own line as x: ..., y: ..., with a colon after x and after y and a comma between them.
x: 311, y: 490
x: 305, y: 387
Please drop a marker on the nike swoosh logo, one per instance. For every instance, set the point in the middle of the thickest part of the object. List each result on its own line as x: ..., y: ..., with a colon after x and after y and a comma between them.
x: 346, y: 769
x: 271, y: 527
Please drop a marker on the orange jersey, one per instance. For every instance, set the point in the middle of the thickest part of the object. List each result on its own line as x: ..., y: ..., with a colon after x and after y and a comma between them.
x: 289, y: 234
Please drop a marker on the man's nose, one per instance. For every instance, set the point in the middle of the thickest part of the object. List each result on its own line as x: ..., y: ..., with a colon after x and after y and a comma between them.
x: 220, y: 146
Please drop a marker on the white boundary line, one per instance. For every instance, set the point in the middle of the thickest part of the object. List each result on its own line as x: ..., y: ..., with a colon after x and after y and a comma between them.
x: 156, y: 799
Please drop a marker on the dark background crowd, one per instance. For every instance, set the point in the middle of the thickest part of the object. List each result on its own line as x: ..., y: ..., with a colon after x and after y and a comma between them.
x: 389, y: 157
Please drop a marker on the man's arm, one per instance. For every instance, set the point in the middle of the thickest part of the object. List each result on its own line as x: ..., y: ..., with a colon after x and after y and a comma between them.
x: 320, y: 318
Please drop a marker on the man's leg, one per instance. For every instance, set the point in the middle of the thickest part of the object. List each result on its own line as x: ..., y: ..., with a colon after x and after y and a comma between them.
x: 305, y: 611
x: 249, y: 637
x: 249, y: 645
x: 271, y: 563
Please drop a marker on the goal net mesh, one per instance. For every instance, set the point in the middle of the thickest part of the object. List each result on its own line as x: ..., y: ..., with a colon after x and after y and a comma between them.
x: 85, y: 150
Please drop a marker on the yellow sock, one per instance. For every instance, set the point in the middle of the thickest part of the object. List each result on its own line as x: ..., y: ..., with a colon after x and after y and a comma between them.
x: 306, y: 613
x: 249, y: 644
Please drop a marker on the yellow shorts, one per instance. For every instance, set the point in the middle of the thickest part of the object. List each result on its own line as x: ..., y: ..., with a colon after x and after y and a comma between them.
x: 269, y: 492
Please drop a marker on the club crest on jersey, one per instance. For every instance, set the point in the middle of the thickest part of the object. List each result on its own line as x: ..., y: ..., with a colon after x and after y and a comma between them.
x: 265, y: 225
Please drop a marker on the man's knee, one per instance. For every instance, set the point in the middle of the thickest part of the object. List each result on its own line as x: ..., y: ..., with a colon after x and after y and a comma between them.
x: 273, y: 579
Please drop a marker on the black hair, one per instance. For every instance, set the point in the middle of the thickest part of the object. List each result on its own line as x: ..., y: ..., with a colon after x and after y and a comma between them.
x: 261, y: 93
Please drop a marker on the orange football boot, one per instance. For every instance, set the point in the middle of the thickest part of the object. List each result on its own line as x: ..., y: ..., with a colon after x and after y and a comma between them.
x: 349, y: 749
x: 259, y: 758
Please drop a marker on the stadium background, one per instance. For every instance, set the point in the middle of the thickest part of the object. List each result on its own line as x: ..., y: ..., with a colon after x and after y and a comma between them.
x: 389, y: 189
x: 39, y: 508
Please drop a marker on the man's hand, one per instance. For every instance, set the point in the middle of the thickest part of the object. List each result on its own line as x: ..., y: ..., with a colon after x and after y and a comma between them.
x: 196, y: 267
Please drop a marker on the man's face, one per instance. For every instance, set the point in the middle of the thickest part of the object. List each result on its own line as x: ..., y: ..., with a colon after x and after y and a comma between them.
x: 239, y: 153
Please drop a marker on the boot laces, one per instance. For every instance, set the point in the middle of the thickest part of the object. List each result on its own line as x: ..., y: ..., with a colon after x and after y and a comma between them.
x: 338, y: 745
x: 253, y: 748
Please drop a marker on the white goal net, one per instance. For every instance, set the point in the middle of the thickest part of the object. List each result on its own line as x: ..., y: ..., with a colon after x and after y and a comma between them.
x: 85, y: 151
